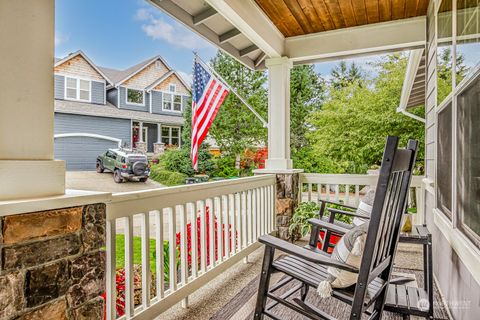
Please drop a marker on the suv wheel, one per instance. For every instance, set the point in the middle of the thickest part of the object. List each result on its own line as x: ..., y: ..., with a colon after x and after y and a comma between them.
x: 99, y: 167
x: 117, y: 177
x: 143, y: 179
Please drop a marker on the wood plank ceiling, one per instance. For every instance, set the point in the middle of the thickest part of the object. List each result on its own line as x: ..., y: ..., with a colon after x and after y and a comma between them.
x: 300, y: 17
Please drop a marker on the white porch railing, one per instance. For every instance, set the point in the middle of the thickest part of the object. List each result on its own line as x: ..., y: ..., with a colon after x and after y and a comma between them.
x: 315, y: 186
x: 231, y: 215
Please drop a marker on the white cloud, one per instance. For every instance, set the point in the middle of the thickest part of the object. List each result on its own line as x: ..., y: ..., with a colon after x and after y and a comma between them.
x: 187, y: 77
x: 60, y: 39
x: 174, y: 33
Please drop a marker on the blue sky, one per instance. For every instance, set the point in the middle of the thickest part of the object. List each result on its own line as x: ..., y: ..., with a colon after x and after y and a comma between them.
x: 119, y: 34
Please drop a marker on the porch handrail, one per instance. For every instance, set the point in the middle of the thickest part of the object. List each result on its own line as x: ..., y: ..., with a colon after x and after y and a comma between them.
x: 215, y: 224
x: 336, y: 184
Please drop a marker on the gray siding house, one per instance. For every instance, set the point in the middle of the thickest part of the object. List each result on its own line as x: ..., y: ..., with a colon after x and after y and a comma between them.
x: 98, y: 108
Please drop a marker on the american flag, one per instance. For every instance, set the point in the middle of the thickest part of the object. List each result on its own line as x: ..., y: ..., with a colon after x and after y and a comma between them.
x: 208, y: 94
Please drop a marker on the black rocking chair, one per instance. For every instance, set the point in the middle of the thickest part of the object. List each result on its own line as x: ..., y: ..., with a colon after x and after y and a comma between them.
x: 309, y: 266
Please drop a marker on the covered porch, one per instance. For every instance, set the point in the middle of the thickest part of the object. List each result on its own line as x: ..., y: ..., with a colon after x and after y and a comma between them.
x: 222, y: 219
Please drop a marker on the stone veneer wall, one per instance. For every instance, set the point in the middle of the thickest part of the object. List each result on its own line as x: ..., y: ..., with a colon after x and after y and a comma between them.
x: 52, y: 264
x: 286, y: 201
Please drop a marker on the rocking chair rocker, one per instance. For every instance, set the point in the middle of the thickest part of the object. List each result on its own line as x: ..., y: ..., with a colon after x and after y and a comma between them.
x: 309, y: 267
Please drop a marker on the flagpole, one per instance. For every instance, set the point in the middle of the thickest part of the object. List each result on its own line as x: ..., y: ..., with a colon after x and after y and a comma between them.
x: 264, y: 123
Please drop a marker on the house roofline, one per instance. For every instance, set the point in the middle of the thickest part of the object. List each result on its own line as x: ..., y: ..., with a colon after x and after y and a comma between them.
x: 84, y: 56
x: 157, y: 57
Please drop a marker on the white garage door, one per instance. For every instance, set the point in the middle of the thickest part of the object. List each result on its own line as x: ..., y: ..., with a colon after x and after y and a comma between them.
x: 80, y: 151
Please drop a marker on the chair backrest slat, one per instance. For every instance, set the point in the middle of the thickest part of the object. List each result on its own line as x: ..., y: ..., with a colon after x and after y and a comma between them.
x: 384, y: 229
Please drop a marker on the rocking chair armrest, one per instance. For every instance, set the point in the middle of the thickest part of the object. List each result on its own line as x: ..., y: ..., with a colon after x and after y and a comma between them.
x: 305, y: 254
x: 337, y: 204
x: 348, y: 213
x: 329, y: 226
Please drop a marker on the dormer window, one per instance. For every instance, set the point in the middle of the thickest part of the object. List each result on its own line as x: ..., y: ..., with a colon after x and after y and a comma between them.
x: 172, y: 87
x: 135, y: 96
x: 77, y: 89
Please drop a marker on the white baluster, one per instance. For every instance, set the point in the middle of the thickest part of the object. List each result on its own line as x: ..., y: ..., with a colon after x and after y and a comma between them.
x: 172, y: 236
x: 347, y: 194
x: 194, y: 238
x: 111, y: 270
x: 203, y: 237
x: 357, y: 195
x: 160, y: 281
x: 129, y: 275
x: 234, y: 222
x: 211, y: 231
x: 218, y: 214
x: 145, y: 231
x: 226, y: 231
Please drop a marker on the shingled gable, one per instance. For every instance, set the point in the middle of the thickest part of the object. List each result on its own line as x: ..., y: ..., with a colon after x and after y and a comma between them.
x: 80, y: 53
x: 165, y: 77
x: 129, y: 73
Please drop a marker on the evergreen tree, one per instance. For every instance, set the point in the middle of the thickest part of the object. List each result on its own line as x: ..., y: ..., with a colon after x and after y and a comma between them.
x: 343, y: 75
x: 307, y: 91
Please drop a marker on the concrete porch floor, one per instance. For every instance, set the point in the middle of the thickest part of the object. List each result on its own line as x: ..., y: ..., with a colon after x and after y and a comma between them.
x: 204, y: 303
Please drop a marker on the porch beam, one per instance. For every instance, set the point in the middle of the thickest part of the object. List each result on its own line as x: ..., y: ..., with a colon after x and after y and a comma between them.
x: 225, y: 37
x: 182, y: 16
x: 368, y: 39
x: 248, y: 50
x: 247, y: 17
x: 204, y: 16
x: 279, y: 114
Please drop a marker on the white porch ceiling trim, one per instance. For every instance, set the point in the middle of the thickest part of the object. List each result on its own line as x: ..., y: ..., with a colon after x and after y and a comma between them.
x: 247, y: 17
x: 368, y: 39
x: 413, y: 63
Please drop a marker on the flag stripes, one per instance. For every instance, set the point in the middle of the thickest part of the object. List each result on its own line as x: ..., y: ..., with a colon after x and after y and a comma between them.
x: 208, y: 95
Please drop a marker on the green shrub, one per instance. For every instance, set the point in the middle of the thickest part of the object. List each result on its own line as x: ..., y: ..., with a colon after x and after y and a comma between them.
x: 178, y: 160
x: 299, y: 226
x: 166, y: 177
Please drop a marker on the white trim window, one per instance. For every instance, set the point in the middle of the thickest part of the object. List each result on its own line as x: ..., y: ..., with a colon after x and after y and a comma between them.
x: 172, y: 102
x: 78, y: 89
x: 171, y: 135
x: 135, y: 97
x: 457, y: 120
x: 172, y: 87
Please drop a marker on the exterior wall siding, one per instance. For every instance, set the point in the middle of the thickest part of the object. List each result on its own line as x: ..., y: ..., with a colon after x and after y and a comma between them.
x: 112, y: 96
x: 124, y: 105
x: 59, y: 87
x: 98, y: 92
x: 460, y: 290
x: 110, y: 127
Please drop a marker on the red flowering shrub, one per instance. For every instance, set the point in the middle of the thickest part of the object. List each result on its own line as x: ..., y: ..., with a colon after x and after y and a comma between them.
x: 207, y: 238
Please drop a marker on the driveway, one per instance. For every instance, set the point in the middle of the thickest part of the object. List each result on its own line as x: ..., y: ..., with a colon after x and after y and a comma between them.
x: 93, y: 181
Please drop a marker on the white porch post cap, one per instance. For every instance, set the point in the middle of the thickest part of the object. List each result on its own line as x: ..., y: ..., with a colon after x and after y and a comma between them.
x: 272, y: 62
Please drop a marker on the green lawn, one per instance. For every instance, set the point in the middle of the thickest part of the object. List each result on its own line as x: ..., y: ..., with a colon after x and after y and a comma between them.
x: 137, y: 252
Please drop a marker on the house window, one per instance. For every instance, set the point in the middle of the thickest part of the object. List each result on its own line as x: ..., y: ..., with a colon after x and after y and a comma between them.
x: 77, y: 89
x: 444, y: 160
x: 458, y: 115
x: 172, y: 87
x: 468, y: 160
x: 135, y: 96
x: 171, y: 135
x: 172, y: 102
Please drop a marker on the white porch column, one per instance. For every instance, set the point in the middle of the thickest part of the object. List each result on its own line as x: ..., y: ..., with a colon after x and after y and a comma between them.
x: 140, y: 131
x: 279, y: 114
x: 159, y: 132
x: 27, y: 168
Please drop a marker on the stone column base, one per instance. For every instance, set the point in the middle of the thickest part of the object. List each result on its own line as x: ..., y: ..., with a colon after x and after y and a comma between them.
x: 158, y: 149
x: 141, y: 147
x: 52, y: 264
x: 286, y: 198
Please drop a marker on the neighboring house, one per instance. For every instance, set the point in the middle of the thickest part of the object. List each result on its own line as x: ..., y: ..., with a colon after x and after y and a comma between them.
x: 98, y: 108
